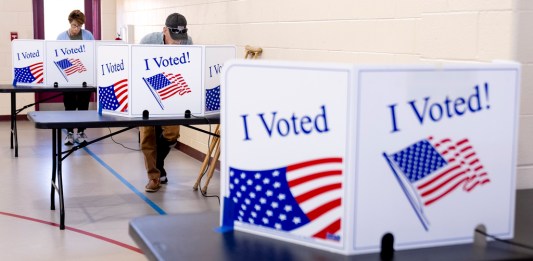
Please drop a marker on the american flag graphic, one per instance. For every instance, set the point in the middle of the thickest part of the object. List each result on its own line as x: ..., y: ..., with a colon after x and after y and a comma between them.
x: 115, y: 96
x: 212, y: 99
x: 303, y: 198
x: 30, y: 74
x: 165, y: 85
x: 430, y: 169
x: 70, y: 66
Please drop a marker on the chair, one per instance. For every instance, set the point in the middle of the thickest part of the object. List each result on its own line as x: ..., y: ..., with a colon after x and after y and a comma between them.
x: 250, y: 52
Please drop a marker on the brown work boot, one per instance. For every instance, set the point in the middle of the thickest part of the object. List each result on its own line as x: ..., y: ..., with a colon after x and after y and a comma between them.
x: 153, y: 185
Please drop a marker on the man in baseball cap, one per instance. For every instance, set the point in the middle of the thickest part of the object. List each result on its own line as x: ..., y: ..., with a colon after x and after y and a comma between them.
x: 174, y: 32
x: 177, y: 26
x: 157, y: 141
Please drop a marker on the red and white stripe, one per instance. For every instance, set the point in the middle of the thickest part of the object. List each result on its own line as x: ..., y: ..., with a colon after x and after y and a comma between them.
x: 464, y: 170
x: 317, y: 187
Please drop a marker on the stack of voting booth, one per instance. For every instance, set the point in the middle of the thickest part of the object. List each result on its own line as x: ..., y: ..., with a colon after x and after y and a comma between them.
x: 338, y: 157
x: 53, y: 63
x: 164, y: 80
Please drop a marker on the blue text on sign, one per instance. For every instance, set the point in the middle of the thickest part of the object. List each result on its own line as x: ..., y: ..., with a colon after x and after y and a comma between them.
x: 28, y: 55
x: 166, y: 62
x: 275, y: 125
x: 430, y: 110
x: 70, y: 51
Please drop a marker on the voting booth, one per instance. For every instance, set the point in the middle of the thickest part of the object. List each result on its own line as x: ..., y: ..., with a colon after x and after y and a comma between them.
x: 336, y: 156
x: 70, y: 63
x: 164, y: 80
x: 28, y: 59
x: 55, y: 63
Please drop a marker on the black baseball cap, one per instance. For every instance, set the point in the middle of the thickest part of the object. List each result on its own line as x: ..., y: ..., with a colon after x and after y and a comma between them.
x: 177, y: 26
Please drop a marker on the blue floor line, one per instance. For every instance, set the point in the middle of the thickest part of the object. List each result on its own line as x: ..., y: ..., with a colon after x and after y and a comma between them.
x: 125, y: 182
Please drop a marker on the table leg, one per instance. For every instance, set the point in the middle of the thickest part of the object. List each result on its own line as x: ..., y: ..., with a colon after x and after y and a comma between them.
x: 16, y: 137
x: 13, y: 122
x: 54, y: 162
x: 60, y: 181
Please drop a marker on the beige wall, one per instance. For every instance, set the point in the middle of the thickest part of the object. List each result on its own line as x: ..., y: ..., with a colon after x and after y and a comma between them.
x: 361, y: 31
x: 15, y: 16
x: 353, y: 31
x: 523, y: 52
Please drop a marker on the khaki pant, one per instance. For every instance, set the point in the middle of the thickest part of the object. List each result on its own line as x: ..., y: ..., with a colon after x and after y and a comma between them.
x: 155, y: 142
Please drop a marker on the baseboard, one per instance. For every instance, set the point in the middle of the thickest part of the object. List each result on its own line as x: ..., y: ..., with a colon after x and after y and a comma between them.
x: 194, y: 153
x: 20, y: 117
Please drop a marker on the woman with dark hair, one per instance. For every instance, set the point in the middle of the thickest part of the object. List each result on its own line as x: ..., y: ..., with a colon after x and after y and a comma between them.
x: 76, y: 100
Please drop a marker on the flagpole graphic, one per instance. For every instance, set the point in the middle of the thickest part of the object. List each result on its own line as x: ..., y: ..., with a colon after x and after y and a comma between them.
x: 411, y: 195
x: 61, y: 71
x: 70, y: 66
x: 166, y: 85
x: 157, y: 98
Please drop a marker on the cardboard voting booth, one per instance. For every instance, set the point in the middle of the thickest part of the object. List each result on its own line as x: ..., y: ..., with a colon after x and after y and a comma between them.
x: 70, y: 63
x: 44, y: 63
x: 165, y: 80
x: 28, y: 57
x: 337, y: 156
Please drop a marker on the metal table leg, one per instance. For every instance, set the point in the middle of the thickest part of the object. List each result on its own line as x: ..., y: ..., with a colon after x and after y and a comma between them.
x: 54, y: 162
x: 60, y: 180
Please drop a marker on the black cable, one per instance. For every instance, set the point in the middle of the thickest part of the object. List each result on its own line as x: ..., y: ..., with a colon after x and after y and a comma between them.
x: 121, y: 143
x: 208, y: 163
x: 504, y: 240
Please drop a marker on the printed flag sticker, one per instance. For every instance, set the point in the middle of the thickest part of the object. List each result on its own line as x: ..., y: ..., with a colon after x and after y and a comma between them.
x: 30, y: 74
x: 429, y: 170
x: 165, y: 85
x: 303, y: 198
x: 70, y: 66
x: 115, y: 96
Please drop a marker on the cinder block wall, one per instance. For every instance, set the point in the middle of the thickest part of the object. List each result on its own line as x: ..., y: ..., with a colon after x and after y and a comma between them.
x: 15, y: 16
x: 352, y: 31
x: 361, y: 31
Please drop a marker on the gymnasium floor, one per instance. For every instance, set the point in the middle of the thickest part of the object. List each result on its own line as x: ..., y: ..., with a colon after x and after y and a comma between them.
x: 104, y: 189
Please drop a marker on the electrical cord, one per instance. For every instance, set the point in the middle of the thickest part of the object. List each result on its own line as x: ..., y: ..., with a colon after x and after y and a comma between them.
x: 208, y: 162
x: 121, y: 143
x: 504, y: 240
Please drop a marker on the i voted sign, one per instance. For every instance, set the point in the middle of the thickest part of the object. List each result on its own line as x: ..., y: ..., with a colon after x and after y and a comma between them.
x: 28, y: 57
x: 337, y: 156
x: 70, y: 63
x: 215, y: 56
x: 166, y: 80
x: 113, y: 78
x: 284, y: 147
x: 436, y: 153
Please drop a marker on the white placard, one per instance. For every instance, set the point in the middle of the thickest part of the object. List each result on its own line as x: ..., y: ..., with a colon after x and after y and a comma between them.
x: 166, y: 80
x: 70, y: 63
x: 113, y: 78
x: 424, y: 153
x: 214, y: 59
x: 437, y: 154
x: 284, y: 147
x: 28, y: 57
